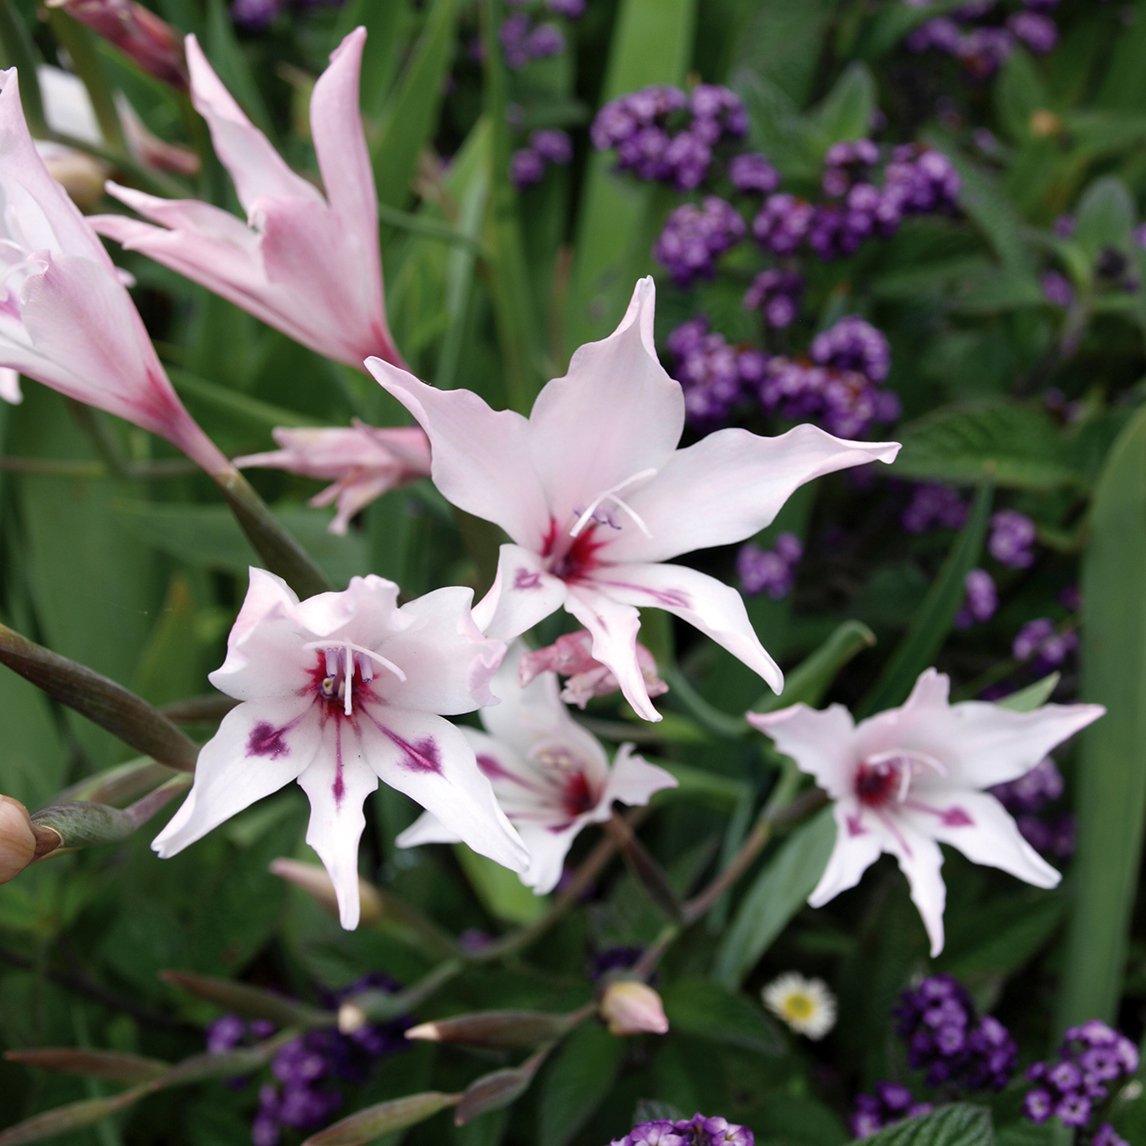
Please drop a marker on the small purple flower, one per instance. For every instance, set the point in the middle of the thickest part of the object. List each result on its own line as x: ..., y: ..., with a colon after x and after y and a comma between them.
x: 255, y: 15
x: 853, y: 344
x: 980, y: 600
x: 694, y: 237
x: 553, y: 146
x: 526, y: 168
x: 751, y: 173
x: 934, y: 506
x: 545, y: 41
x: 1105, y: 1136
x: 769, y: 572
x: 696, y: 1131
x: 1039, y: 641
x: 570, y: 9
x: 891, y: 1103
x: 709, y: 371
x: 782, y: 223
x: 1038, y: 32
x: 1011, y: 540
x: 1056, y: 289
x: 776, y: 295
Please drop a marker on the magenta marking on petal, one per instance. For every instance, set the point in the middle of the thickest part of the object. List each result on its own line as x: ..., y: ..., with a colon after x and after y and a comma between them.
x: 666, y: 598
x: 491, y: 768
x: 338, y: 788
x: 956, y: 817
x: 855, y: 825
x: 526, y: 579
x: 421, y: 756
x: 267, y: 740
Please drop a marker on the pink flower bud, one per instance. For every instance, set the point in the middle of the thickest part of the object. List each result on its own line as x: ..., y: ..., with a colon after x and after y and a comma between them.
x: 140, y: 34
x: 632, y: 1008
x: 17, y: 838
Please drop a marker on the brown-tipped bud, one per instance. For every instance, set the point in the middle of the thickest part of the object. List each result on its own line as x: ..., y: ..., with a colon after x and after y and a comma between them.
x: 494, y: 1029
x: 632, y: 1008
x: 17, y: 838
x: 312, y: 878
x: 139, y: 33
x: 82, y: 176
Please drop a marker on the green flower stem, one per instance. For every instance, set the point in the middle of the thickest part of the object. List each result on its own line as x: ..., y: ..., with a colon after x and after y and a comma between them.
x: 725, y: 726
x: 282, y: 554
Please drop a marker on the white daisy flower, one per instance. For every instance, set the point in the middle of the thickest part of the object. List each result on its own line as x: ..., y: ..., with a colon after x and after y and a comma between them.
x: 806, y: 1005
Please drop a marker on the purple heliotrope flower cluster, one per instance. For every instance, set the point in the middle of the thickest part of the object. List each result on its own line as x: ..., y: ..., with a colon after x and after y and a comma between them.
x: 304, y: 1093
x: 1029, y: 800
x: 868, y: 192
x: 546, y: 148
x: 664, y: 135
x: 980, y: 599
x: 982, y: 34
x: 695, y: 1131
x: 837, y: 384
x: 891, y: 1103
x: 769, y: 571
x: 528, y: 34
x: 1093, y: 1061
x: 957, y: 1049
x: 258, y: 15
x: 1041, y: 643
x: 949, y: 1041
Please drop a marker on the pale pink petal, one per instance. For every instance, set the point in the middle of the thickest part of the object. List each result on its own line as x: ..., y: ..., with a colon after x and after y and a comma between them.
x: 429, y: 760
x: 366, y: 612
x: 480, y: 457
x: 48, y: 219
x: 614, y: 627
x: 614, y: 415
x: 547, y: 851
x: 522, y: 594
x: 260, y: 747
x: 633, y: 780
x: 921, y: 861
x: 447, y: 660
x: 729, y: 486
x: 707, y: 604
x: 263, y: 656
x: 859, y: 843
x: 256, y: 169
x: 981, y: 828
x: 10, y: 385
x: 819, y: 741
x: 426, y: 829
x: 340, y: 144
x: 337, y: 785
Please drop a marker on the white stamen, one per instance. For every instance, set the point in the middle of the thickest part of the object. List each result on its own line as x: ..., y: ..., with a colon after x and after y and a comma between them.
x: 611, y: 495
x: 348, y: 649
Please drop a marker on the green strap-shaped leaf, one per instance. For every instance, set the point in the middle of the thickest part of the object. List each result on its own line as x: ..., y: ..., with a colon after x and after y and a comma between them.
x: 778, y: 893
x: 413, y: 112
x: 931, y: 624
x: 1112, y: 778
x: 652, y: 43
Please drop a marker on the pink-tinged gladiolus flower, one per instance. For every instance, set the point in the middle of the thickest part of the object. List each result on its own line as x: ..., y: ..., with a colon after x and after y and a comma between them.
x: 136, y: 31
x: 906, y: 780
x: 596, y: 497
x: 550, y: 775
x: 571, y: 656
x: 304, y: 263
x: 338, y: 692
x: 66, y: 319
x: 363, y: 462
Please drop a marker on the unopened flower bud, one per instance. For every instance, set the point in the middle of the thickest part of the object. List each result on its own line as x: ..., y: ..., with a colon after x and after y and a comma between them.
x: 316, y: 883
x: 81, y: 175
x: 17, y: 838
x: 632, y: 1008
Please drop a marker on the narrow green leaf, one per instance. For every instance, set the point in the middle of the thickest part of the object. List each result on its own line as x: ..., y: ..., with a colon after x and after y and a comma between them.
x: 777, y: 893
x: 1111, y: 790
x: 1029, y: 698
x: 500, y: 890
x: 18, y: 50
x: 412, y: 114
x: 226, y: 56
x: 933, y: 620
x: 577, y: 1082
x: 810, y: 680
x: 1105, y: 217
x: 651, y: 43
x: 949, y: 1126
x: 375, y: 1121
